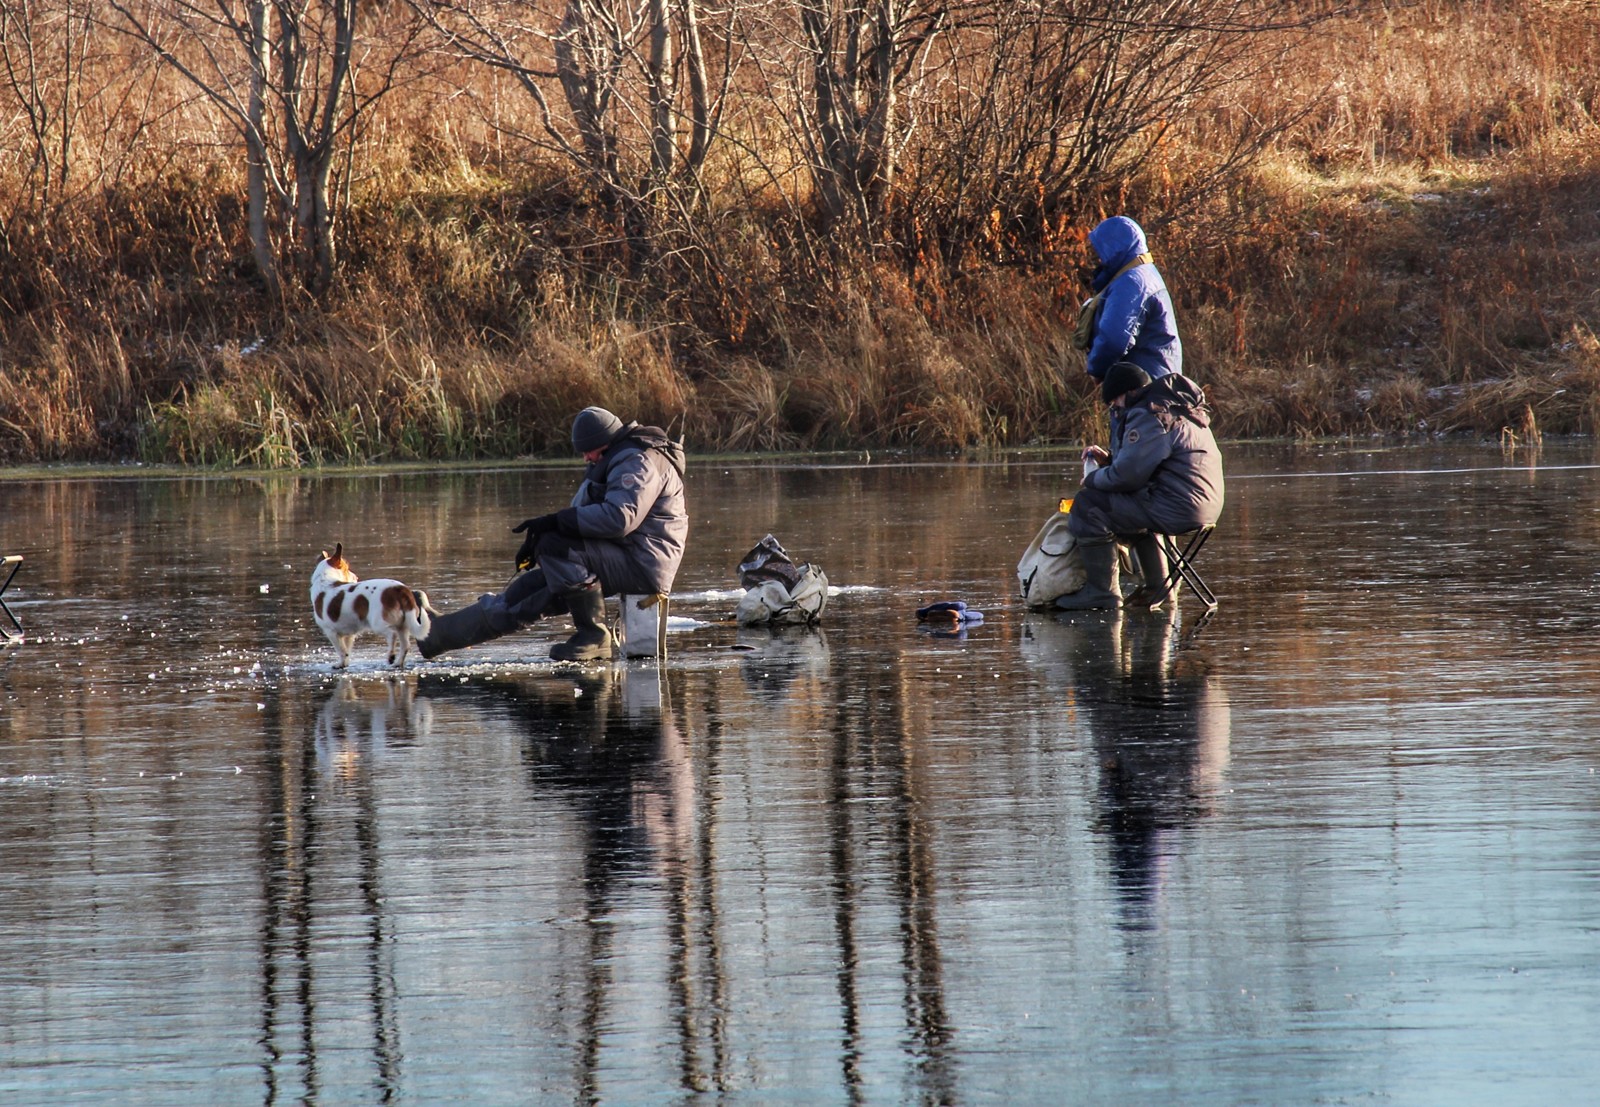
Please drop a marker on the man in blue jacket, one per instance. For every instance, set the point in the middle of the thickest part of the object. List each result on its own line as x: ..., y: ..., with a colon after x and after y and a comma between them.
x: 623, y: 532
x: 1163, y: 475
x: 1136, y: 322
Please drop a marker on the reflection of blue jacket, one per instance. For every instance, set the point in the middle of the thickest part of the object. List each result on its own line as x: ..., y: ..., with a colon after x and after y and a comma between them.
x: 1136, y: 322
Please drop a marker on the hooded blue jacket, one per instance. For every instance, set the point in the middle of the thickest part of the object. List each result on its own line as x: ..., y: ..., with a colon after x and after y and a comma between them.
x: 1136, y: 322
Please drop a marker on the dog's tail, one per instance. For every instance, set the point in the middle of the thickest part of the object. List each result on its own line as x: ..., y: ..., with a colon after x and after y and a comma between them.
x: 421, y: 619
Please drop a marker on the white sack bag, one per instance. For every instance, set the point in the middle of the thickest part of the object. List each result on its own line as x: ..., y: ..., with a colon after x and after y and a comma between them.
x: 772, y: 603
x: 1051, y: 567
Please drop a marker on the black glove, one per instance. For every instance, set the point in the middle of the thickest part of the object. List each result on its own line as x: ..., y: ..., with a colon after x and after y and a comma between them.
x: 567, y: 522
x: 539, y: 524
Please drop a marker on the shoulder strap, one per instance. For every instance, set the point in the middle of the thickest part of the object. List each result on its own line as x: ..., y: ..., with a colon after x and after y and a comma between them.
x: 1145, y: 258
x: 1089, y: 312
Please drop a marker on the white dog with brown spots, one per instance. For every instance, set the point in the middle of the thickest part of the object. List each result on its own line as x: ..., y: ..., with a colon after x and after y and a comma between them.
x: 345, y: 606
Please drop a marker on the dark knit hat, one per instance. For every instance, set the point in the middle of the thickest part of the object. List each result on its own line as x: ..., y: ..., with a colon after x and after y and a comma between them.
x: 1122, y: 378
x: 594, y: 428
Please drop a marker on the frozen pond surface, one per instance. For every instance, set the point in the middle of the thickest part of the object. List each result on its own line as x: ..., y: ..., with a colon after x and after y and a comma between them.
x: 1340, y: 845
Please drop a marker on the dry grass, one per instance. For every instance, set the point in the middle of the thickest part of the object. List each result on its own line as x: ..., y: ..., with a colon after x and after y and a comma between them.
x: 1417, y: 255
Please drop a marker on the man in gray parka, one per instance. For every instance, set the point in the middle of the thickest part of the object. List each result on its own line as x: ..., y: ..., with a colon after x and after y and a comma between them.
x: 1163, y: 475
x: 623, y: 532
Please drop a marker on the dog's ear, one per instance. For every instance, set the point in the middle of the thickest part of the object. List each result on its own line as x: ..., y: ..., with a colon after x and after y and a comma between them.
x: 324, y: 555
x: 338, y: 551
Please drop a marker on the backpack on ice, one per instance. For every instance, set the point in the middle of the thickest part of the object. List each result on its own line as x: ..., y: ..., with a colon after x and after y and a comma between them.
x: 1051, y: 566
x: 779, y: 592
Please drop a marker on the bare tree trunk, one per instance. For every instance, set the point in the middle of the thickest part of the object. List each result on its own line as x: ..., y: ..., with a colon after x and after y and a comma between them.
x: 694, y: 63
x: 860, y: 54
x: 663, y: 95
x: 836, y: 168
x: 257, y: 164
x: 588, y: 55
x: 880, y: 125
x: 311, y: 134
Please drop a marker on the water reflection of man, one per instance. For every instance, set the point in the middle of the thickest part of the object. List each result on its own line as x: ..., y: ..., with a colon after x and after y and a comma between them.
x: 1159, y: 725
x: 1162, y: 475
x: 623, y: 532
x: 623, y: 762
x: 621, y: 755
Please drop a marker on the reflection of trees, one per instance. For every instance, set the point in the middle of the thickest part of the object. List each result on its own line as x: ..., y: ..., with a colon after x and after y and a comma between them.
x: 608, y: 740
x: 606, y: 754
x: 876, y: 754
x: 604, y: 740
x: 1159, y: 724
x: 352, y: 729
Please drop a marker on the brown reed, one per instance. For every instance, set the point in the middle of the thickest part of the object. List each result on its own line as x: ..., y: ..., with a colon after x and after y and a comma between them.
x: 1414, y: 255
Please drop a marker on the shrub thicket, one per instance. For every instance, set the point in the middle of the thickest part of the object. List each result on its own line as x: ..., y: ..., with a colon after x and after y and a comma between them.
x: 1380, y: 222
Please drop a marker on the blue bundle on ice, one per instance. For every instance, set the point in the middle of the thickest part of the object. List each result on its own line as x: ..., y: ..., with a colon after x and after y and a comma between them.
x: 949, y: 611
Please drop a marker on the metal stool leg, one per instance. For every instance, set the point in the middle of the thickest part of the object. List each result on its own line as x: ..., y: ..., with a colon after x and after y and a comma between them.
x: 13, y: 563
x: 1180, y: 565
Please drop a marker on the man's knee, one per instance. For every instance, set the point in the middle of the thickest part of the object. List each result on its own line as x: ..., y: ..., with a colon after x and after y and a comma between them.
x: 571, y: 568
x: 525, y: 600
x: 554, y: 545
x: 1089, y: 521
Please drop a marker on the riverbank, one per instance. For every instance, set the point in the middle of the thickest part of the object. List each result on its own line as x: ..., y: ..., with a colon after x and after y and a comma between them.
x: 1409, y: 250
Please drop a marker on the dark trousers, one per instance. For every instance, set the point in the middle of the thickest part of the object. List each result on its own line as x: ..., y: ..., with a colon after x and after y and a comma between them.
x: 562, y: 567
x: 1100, y: 516
x: 567, y: 564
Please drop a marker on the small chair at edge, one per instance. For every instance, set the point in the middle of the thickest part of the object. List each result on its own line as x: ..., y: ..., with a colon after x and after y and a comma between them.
x: 8, y: 569
x: 1180, y: 564
x: 642, y: 621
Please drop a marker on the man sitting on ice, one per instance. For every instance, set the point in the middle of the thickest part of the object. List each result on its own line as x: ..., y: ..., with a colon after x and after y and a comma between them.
x: 1162, y: 475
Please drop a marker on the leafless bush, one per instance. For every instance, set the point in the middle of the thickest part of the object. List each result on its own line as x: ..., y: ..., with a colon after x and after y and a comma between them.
x: 621, y: 89
x: 295, y: 80
x: 1042, y: 110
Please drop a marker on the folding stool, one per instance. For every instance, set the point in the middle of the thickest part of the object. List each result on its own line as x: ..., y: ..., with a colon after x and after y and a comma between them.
x: 9, y: 566
x: 1180, y: 564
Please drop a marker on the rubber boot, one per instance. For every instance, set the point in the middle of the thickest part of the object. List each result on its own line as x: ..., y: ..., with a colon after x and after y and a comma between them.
x: 1099, y: 592
x: 457, y: 630
x: 591, y: 641
x: 483, y: 621
x: 1152, y: 590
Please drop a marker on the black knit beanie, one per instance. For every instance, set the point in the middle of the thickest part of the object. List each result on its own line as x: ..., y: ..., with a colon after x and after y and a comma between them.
x: 1122, y: 378
x: 594, y: 428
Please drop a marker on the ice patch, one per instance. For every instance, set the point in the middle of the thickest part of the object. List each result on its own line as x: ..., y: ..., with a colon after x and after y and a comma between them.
x: 734, y: 595
x: 710, y: 595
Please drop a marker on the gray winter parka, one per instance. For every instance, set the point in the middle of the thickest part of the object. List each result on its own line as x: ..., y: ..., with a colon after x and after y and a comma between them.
x: 633, y: 497
x: 1162, y: 451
